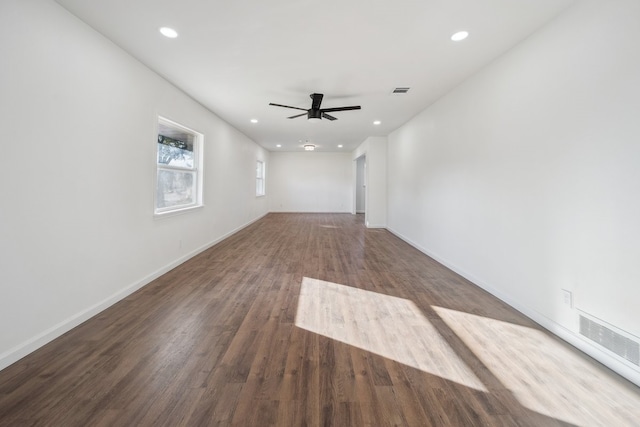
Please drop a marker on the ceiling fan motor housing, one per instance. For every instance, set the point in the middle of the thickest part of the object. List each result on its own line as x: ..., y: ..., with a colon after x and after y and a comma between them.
x: 314, y: 114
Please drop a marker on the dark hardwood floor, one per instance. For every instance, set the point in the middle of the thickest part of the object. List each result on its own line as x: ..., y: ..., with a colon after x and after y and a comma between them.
x: 309, y: 320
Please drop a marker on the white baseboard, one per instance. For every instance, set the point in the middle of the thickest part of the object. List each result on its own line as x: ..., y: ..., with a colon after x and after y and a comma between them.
x: 376, y: 226
x: 18, y: 352
x: 600, y: 354
x: 309, y: 212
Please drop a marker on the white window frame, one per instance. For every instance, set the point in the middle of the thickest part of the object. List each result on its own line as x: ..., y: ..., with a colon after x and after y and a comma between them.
x: 197, y: 169
x: 260, y: 179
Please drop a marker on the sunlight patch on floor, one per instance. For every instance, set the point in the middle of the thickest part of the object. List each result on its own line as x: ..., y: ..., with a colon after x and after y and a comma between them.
x: 543, y: 374
x: 387, y: 326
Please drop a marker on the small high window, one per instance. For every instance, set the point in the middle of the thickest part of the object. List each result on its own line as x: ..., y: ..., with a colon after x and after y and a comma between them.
x: 260, y: 178
x: 179, y: 167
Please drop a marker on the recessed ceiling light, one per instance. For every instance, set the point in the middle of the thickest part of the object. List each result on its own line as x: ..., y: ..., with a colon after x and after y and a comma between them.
x: 377, y: 122
x: 460, y: 35
x: 169, y: 32
x: 340, y: 146
x: 278, y: 145
x: 254, y: 120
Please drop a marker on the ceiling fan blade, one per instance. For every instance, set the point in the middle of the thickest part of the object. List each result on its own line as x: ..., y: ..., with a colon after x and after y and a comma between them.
x: 328, y: 110
x: 328, y: 117
x: 287, y: 106
x: 299, y: 115
x: 317, y: 100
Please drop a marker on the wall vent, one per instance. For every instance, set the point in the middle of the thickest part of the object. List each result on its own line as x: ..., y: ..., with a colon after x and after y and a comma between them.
x: 621, y: 345
x: 400, y: 90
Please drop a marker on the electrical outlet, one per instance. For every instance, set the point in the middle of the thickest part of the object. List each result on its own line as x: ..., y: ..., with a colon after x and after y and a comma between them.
x: 567, y: 298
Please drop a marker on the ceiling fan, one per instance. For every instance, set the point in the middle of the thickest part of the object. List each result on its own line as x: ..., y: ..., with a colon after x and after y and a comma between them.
x: 315, y: 112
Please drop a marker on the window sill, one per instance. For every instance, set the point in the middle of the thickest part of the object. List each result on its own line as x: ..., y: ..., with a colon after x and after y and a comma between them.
x: 174, y: 212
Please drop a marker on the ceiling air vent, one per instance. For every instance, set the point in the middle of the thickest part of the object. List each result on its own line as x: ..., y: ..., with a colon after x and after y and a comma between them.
x: 400, y: 90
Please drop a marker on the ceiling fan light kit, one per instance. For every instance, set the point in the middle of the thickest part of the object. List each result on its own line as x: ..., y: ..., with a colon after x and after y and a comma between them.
x: 315, y: 112
x: 309, y: 147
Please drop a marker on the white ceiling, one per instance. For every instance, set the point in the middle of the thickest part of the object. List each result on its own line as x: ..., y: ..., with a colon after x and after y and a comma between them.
x: 235, y: 57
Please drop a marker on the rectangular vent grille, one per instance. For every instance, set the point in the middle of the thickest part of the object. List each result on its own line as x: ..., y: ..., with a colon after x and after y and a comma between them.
x: 401, y: 90
x: 619, y: 344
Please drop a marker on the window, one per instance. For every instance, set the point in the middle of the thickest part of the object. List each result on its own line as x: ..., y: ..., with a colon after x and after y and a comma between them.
x: 179, y: 167
x: 260, y: 178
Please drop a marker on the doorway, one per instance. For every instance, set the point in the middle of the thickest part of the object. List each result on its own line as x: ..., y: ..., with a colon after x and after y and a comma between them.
x: 361, y: 184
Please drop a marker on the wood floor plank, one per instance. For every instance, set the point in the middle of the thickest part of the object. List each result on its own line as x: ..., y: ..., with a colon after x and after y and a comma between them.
x: 312, y: 320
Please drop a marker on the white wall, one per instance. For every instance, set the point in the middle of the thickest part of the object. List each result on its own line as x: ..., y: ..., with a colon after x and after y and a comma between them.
x: 310, y: 182
x: 526, y: 177
x: 77, y: 230
x: 375, y: 149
